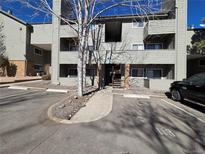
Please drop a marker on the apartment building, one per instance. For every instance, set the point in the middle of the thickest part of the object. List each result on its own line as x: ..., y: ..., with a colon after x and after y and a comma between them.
x: 140, y: 52
x: 25, y: 58
x: 147, y: 52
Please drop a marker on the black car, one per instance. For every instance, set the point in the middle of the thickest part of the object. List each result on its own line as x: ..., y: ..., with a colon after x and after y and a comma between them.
x: 191, y: 89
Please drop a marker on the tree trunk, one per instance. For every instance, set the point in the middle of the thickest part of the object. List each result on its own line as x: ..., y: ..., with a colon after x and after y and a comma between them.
x: 84, y: 67
x: 81, y: 61
x: 80, y: 73
x: 99, y: 74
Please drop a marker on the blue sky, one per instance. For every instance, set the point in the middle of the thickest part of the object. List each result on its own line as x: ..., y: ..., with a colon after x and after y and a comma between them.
x: 196, y: 11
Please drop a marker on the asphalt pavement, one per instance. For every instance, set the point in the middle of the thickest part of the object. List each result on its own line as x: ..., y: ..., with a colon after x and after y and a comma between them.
x: 134, y: 126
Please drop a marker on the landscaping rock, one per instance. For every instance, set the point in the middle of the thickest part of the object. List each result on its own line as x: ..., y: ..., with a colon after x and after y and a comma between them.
x: 71, y: 106
x: 62, y: 106
x: 75, y: 97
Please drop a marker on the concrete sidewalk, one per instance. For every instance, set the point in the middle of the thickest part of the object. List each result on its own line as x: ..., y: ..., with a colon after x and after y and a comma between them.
x: 99, y: 106
x: 9, y: 80
x: 18, y: 83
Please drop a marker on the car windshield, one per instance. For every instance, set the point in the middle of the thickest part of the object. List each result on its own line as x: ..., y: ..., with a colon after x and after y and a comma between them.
x: 198, y: 78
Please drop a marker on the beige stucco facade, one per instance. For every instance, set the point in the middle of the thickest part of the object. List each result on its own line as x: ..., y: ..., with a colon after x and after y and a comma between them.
x: 164, y: 62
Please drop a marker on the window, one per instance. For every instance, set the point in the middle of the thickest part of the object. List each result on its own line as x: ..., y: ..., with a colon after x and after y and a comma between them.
x: 37, y: 52
x: 113, y: 31
x: 138, y: 24
x: 138, y: 46
x: 38, y: 67
x: 90, y: 72
x: 68, y: 44
x: 197, y: 79
x: 68, y: 70
x: 137, y: 72
x: 72, y: 72
x: 202, y: 62
x: 154, y: 46
x: 154, y: 73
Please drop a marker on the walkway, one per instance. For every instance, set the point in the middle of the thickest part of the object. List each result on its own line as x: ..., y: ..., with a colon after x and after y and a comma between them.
x: 99, y: 106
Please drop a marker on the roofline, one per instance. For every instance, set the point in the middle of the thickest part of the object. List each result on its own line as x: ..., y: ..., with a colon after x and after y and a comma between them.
x: 193, y: 29
x: 14, y: 18
x: 131, y: 16
x: 41, y: 23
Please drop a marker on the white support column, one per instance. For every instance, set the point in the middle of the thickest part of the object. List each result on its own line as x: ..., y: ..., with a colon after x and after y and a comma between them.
x: 180, y: 42
x: 55, y: 43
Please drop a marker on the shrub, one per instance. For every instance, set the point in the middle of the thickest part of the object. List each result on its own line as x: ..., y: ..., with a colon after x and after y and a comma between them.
x: 46, y: 77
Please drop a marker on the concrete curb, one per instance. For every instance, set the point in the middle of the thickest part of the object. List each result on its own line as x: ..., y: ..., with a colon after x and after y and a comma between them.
x: 57, y: 90
x: 4, y: 86
x: 36, y: 88
x: 18, y: 87
x: 64, y: 121
x: 140, y: 96
x: 19, y: 81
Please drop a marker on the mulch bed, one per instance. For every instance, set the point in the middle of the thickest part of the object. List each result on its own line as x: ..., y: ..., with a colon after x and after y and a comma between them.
x: 68, y: 108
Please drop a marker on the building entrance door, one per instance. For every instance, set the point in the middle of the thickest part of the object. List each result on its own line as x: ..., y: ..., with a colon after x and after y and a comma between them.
x: 112, y: 73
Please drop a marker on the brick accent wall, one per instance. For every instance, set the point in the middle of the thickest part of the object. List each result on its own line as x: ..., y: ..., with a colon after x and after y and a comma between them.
x: 18, y: 68
x: 30, y: 69
x: 127, y: 74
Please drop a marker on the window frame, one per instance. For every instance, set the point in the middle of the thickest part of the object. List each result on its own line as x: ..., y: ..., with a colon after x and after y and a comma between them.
x: 143, y: 70
x: 137, y: 44
x: 40, y: 70
x: 152, y: 69
x: 38, y: 53
x: 153, y: 43
x: 70, y: 44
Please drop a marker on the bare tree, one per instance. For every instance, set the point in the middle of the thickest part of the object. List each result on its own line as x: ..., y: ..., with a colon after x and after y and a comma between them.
x: 2, y: 46
x: 80, y: 15
x: 4, y: 62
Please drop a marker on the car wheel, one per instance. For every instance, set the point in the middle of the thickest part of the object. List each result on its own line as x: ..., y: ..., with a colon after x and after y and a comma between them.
x: 176, y: 96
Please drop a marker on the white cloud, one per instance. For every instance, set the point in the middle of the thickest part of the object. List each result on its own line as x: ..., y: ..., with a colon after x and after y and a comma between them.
x: 202, y: 25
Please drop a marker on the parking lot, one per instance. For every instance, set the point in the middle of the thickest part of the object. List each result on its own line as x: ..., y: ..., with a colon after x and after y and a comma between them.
x: 135, y: 125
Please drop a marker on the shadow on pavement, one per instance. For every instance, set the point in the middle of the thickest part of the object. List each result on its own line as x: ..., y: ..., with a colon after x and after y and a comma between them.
x: 155, y: 126
x: 189, y: 104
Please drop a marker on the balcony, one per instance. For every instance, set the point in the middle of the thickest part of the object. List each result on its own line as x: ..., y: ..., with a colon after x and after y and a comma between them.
x: 42, y: 36
x: 155, y: 27
x: 160, y: 56
x: 67, y: 31
x: 161, y: 27
x: 68, y: 57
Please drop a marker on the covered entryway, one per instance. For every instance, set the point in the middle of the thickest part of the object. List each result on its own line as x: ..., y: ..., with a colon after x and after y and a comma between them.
x: 113, y: 74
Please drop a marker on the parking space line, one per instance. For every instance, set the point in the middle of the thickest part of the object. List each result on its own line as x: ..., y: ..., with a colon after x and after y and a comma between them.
x: 183, y: 110
x: 19, y: 94
x: 136, y: 96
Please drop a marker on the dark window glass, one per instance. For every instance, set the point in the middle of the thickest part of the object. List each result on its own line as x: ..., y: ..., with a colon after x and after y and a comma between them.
x: 154, y: 73
x: 38, y: 51
x: 90, y: 72
x: 113, y: 31
x: 154, y: 46
x: 202, y: 62
x: 198, y: 79
x: 72, y: 72
x: 38, y: 67
x: 68, y: 70
x: 157, y: 73
x: 68, y: 44
x: 137, y: 72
